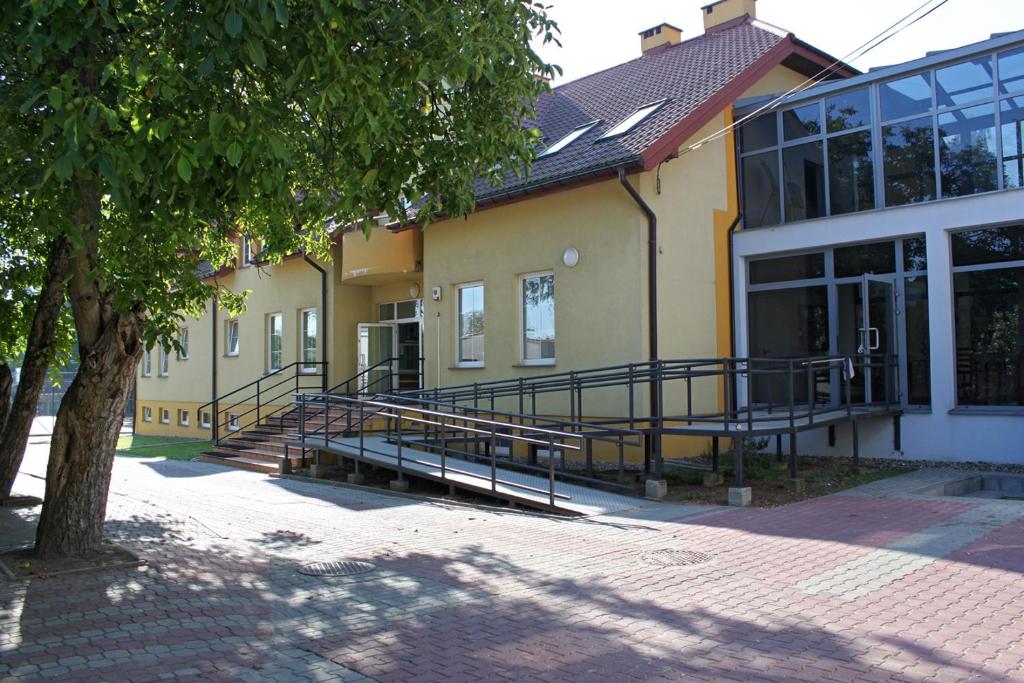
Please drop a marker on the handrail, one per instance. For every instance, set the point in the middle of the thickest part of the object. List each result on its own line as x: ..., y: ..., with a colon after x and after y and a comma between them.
x: 390, y: 362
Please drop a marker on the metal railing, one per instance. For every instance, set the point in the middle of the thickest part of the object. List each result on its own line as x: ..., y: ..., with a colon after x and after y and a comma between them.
x: 261, y: 399
x: 389, y: 374
x: 449, y: 431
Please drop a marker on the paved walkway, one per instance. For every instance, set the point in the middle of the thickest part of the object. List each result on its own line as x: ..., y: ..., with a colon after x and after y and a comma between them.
x: 878, y: 584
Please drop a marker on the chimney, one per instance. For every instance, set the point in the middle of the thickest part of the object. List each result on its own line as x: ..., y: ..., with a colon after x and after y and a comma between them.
x: 658, y: 38
x: 717, y: 13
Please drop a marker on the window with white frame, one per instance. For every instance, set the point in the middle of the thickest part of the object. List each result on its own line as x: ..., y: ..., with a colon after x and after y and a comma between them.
x: 275, y: 336
x: 164, y: 365
x: 247, y: 259
x: 537, y: 318
x: 470, y: 338
x: 307, y: 339
x: 233, y: 422
x: 165, y: 416
x: 183, y: 344
x: 183, y: 417
x: 147, y: 414
x: 204, y: 419
x: 231, y: 338
x: 147, y: 364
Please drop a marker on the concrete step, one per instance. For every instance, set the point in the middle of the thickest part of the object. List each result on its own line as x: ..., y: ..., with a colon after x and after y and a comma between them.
x: 239, y: 462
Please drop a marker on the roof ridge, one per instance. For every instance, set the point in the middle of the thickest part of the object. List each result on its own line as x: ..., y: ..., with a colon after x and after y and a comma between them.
x: 745, y: 19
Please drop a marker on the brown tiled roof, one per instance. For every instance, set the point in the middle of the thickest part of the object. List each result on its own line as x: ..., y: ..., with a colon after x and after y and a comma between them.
x: 691, y: 75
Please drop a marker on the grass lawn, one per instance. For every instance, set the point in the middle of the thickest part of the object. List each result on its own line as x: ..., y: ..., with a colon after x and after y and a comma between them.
x: 172, y: 448
x: 769, y: 482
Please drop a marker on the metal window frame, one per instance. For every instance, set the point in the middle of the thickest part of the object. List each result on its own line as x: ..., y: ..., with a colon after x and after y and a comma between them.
x: 303, y: 367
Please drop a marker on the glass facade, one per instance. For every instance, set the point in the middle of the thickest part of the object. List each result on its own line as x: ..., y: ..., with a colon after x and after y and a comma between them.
x: 988, y: 291
x: 951, y: 131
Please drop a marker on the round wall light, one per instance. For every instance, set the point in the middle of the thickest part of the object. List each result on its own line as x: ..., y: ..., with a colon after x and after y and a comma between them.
x: 414, y: 290
x: 570, y: 257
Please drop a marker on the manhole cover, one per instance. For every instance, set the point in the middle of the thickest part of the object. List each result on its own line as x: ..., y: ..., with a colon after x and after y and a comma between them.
x: 342, y: 568
x: 677, y: 558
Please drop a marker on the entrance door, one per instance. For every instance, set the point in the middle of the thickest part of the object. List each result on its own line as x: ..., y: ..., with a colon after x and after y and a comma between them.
x: 377, y: 363
x: 877, y: 338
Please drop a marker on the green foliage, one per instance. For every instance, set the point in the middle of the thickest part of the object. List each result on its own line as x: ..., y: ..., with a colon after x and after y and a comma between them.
x: 181, y: 124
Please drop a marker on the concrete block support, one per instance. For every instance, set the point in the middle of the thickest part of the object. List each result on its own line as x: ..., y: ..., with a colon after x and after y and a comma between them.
x: 739, y: 496
x: 319, y: 470
x: 713, y: 479
x: 400, y: 485
x: 796, y: 485
x: 656, y: 489
x: 355, y: 478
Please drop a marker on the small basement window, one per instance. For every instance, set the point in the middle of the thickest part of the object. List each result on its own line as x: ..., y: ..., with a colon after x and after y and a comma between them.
x: 183, y: 417
x: 147, y: 414
x: 233, y: 422
x: 165, y: 416
x: 568, y: 139
x: 204, y: 419
x: 631, y: 121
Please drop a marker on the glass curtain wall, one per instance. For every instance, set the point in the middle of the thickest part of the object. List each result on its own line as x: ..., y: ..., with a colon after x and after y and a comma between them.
x: 951, y: 131
x: 811, y: 305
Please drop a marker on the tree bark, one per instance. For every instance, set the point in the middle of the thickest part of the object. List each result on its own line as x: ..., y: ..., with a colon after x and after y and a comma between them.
x: 84, y: 438
x: 6, y: 380
x: 38, y: 356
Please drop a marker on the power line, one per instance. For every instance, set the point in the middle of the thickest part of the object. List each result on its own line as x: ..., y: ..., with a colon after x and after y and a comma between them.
x: 856, y: 53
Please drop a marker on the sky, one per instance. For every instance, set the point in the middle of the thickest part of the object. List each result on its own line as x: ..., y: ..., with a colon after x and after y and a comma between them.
x: 596, y: 34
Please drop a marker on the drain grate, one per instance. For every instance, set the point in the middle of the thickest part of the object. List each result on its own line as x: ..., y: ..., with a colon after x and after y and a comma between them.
x: 340, y: 568
x: 677, y: 558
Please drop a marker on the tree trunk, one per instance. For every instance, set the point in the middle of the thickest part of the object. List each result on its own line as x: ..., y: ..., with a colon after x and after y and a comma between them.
x: 84, y: 438
x: 6, y: 380
x: 38, y: 356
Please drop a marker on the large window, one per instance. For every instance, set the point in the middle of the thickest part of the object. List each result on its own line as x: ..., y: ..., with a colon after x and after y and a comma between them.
x: 471, y: 326
x: 537, y: 293
x: 183, y: 344
x: 275, y: 338
x: 147, y: 363
x: 988, y: 288
x: 164, y: 368
x: 307, y: 336
x: 231, y: 338
x: 951, y: 131
x: 811, y: 304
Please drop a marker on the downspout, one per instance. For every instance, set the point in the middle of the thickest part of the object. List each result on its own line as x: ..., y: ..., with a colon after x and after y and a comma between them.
x: 730, y: 249
x: 652, y: 306
x: 213, y: 355
x: 323, y: 308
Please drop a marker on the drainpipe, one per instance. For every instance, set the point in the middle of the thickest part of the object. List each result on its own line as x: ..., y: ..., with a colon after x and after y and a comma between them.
x: 652, y: 306
x: 323, y: 308
x: 215, y: 417
x: 730, y: 249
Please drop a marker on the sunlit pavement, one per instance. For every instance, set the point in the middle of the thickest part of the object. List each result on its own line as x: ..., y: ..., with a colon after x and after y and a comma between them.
x: 877, y: 584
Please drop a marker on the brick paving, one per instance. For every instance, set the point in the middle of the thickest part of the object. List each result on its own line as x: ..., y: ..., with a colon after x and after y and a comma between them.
x: 877, y: 584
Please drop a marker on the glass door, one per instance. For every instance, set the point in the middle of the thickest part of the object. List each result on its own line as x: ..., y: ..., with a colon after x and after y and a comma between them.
x: 877, y: 338
x: 376, y: 347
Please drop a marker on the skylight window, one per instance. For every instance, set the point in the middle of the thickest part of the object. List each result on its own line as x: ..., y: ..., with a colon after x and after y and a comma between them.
x: 631, y: 121
x: 568, y: 139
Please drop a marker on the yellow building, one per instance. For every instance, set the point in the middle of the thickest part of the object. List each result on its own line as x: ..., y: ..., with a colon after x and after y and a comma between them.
x: 613, y: 250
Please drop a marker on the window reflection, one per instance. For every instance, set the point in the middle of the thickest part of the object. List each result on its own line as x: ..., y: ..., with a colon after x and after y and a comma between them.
x: 850, y: 173
x: 759, y: 133
x: 909, y: 158
x: 854, y: 261
x: 800, y: 267
x: 538, y: 298
x: 1011, y: 71
x: 964, y: 83
x: 906, y: 96
x: 848, y: 110
x: 967, y: 151
x: 918, y: 359
x: 761, y: 190
x: 471, y: 324
x: 802, y: 312
x: 1012, y: 120
x: 804, y: 172
x: 801, y: 122
x: 914, y: 254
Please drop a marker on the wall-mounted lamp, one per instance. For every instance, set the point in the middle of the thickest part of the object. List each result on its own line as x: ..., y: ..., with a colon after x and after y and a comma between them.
x: 570, y: 257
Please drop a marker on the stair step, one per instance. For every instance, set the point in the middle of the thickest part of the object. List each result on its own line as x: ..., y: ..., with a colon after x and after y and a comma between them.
x: 239, y: 462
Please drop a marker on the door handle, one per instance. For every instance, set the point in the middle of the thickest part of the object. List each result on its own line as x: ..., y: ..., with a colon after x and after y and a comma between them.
x: 878, y: 339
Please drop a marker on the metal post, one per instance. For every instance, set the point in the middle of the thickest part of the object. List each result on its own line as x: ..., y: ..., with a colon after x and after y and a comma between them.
x: 302, y: 421
x: 362, y: 428
x: 810, y: 395
x: 856, y: 444
x: 622, y: 459
x: 632, y: 407
x: 257, y: 401
x: 590, y: 457
x: 216, y: 421
x: 494, y: 461
x: 398, y: 420
x: 792, y: 454
x: 778, y: 448
x: 444, y: 449
x: 737, y: 454
x: 551, y: 470
x: 714, y: 454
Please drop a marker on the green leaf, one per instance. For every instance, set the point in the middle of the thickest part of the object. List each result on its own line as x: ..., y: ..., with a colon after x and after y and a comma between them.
x: 184, y: 168
x: 64, y: 167
x: 56, y: 98
x: 30, y: 102
x: 233, y: 23
x: 281, y: 12
x: 234, y: 153
x: 256, y: 53
x: 369, y: 177
x: 205, y: 67
x: 216, y: 123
